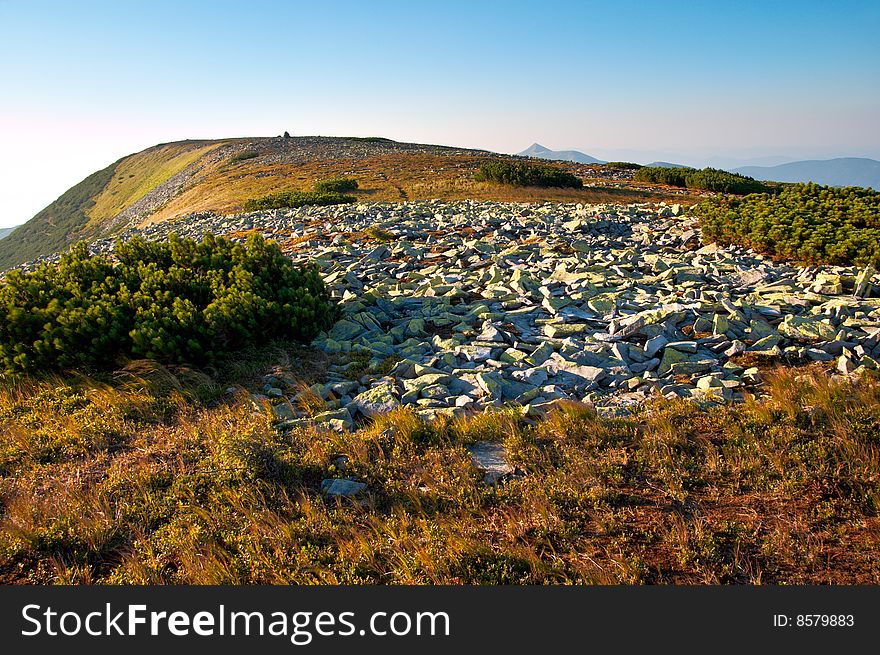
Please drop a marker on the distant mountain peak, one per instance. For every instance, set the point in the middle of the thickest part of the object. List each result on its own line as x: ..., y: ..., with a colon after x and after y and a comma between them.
x: 542, y: 152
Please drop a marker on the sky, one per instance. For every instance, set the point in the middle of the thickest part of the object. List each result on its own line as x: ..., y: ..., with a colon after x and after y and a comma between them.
x: 83, y: 84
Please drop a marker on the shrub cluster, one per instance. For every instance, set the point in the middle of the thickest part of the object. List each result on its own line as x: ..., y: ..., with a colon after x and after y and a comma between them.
x: 804, y: 222
x: 296, y: 199
x: 337, y: 185
x: 707, y: 179
x: 526, y: 174
x: 624, y: 165
x: 663, y: 175
x: 177, y: 301
x: 244, y: 156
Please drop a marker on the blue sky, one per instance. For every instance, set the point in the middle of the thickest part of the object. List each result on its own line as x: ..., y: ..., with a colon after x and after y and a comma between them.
x: 82, y: 84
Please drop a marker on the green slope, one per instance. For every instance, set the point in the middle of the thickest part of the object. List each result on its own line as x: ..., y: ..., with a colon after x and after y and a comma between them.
x: 83, y: 211
x: 51, y: 229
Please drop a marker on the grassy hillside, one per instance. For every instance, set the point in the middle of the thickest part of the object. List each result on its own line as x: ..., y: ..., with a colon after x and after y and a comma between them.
x: 58, y: 225
x: 175, y: 179
x: 139, y: 174
x: 85, y: 211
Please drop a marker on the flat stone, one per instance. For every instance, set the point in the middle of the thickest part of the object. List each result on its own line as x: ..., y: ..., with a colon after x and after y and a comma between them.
x: 377, y: 400
x: 690, y: 367
x: 284, y: 411
x: 338, y: 417
x: 341, y: 488
x: 807, y: 328
x: 345, y: 330
x: 533, y: 376
x: 846, y: 365
x: 561, y: 330
x: 670, y: 357
x: 491, y: 458
x: 863, y: 284
x: 654, y: 345
x: 427, y: 380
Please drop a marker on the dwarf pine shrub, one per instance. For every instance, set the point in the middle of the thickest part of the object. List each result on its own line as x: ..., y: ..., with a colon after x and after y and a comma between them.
x: 804, y: 222
x: 707, y: 179
x: 177, y: 301
x: 526, y: 174
x: 287, y: 199
x: 623, y: 165
x: 336, y: 185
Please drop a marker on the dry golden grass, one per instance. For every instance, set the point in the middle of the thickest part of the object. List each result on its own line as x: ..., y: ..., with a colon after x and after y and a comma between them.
x: 141, y: 173
x: 393, y: 177
x: 160, y: 477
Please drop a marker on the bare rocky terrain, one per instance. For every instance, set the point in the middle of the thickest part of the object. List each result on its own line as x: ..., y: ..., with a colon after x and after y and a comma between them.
x: 452, y: 307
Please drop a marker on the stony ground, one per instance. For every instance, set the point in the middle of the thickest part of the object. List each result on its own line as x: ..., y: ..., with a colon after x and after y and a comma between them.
x: 453, y: 307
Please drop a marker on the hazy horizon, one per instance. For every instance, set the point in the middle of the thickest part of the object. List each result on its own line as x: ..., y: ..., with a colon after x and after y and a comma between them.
x: 87, y: 84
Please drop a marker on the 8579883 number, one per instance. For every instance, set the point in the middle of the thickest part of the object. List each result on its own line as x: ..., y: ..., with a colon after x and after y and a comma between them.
x: 825, y: 620
x: 814, y: 621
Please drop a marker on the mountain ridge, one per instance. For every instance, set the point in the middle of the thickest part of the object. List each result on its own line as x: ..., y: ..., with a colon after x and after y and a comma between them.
x: 171, y: 180
x: 839, y: 171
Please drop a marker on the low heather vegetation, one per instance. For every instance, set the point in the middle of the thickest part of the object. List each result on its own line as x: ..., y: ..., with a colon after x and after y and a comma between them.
x: 525, y: 174
x: 178, y: 301
x: 146, y: 483
x: 804, y: 222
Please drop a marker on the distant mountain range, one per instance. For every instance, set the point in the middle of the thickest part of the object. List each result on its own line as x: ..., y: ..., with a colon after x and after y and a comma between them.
x: 5, y: 231
x: 666, y: 164
x: 539, y: 151
x: 844, y: 171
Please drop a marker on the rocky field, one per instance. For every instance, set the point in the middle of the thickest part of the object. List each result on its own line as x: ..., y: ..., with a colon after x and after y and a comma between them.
x: 454, y: 307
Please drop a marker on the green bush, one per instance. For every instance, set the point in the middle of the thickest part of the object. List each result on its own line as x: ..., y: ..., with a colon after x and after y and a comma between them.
x: 296, y: 199
x: 663, y: 175
x: 624, y: 165
x: 803, y: 222
x: 243, y: 156
x: 336, y: 185
x: 711, y: 179
x: 707, y: 179
x: 525, y: 174
x: 177, y: 301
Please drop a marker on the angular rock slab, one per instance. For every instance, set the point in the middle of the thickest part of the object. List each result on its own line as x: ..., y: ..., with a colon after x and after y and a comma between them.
x: 491, y: 458
x: 342, y: 488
